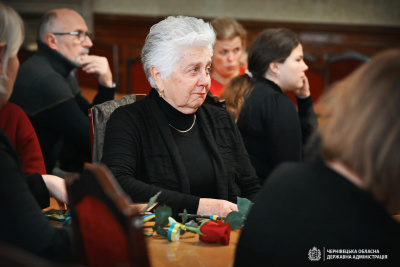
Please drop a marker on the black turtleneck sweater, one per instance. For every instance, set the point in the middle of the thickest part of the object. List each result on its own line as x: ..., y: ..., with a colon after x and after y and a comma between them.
x: 47, y: 90
x: 273, y: 130
x: 146, y: 155
x: 192, y: 146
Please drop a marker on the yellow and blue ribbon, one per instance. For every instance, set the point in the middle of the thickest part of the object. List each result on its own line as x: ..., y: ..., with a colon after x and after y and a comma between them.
x: 214, y: 217
x: 174, y: 232
x: 148, y: 217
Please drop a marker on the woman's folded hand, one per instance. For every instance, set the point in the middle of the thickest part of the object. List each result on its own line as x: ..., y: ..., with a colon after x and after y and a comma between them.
x: 210, y: 206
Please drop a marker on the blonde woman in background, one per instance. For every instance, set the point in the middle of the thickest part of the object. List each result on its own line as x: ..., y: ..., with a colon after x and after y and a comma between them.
x: 229, y: 49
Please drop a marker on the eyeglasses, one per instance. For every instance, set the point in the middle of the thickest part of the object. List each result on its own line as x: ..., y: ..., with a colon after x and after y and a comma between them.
x: 81, y: 35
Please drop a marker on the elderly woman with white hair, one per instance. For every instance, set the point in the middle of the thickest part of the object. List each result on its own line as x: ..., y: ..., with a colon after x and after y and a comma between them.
x: 170, y: 141
x: 22, y: 197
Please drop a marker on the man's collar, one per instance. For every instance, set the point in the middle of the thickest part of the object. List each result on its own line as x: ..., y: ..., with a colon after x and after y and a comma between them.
x: 60, y: 64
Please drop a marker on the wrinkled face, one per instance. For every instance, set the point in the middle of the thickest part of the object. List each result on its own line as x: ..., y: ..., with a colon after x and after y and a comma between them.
x: 292, y: 71
x: 189, y: 82
x: 69, y: 45
x: 12, y: 70
x: 226, y: 57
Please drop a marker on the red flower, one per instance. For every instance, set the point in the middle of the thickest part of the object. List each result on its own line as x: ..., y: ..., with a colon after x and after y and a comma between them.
x: 216, y: 232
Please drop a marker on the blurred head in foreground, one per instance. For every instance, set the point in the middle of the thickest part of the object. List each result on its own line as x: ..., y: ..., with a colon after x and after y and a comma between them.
x: 361, y: 126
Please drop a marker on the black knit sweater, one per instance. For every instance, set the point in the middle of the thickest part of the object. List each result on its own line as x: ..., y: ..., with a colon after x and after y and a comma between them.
x: 272, y: 129
x: 47, y: 90
x: 141, y: 152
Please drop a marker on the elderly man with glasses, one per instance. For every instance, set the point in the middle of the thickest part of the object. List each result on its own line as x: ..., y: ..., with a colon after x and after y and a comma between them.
x: 47, y: 90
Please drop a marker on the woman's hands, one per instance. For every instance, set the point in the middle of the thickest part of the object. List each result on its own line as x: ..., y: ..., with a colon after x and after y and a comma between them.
x: 304, y: 91
x: 57, y: 189
x: 210, y: 206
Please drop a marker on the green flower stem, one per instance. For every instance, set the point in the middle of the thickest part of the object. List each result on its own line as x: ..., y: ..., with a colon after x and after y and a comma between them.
x: 193, y: 230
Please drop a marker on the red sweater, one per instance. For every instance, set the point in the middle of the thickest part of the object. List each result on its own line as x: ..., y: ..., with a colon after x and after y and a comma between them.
x: 217, y: 88
x: 18, y: 128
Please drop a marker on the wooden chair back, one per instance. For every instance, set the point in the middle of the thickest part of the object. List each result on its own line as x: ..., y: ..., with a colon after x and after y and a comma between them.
x: 107, y: 232
x: 137, y: 80
x: 340, y: 65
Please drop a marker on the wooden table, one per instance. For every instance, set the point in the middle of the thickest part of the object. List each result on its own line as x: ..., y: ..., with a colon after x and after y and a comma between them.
x: 190, y: 251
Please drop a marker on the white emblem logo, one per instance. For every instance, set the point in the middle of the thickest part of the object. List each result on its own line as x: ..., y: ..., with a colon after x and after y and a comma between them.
x: 314, y: 254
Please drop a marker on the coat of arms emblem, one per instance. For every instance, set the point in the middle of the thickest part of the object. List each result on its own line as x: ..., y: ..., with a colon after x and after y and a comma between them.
x: 314, y: 254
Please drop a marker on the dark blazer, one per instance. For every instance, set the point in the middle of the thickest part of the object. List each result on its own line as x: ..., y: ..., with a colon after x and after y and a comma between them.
x: 140, y: 150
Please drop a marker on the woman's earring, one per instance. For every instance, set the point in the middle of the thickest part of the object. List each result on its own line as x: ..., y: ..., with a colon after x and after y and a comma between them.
x: 161, y: 94
x: 278, y: 74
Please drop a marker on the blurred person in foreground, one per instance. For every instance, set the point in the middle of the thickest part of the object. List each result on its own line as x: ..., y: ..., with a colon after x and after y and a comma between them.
x: 273, y: 130
x: 170, y: 141
x: 346, y: 197
x: 19, y: 130
x: 22, y: 197
x: 47, y: 90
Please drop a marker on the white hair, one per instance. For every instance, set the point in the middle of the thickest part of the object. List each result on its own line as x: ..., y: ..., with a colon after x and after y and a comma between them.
x: 48, y: 24
x: 11, y: 35
x: 167, y: 39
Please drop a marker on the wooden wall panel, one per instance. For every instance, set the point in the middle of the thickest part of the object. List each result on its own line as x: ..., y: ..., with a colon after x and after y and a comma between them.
x: 128, y: 33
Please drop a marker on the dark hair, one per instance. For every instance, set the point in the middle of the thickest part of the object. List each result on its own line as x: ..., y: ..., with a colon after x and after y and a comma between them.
x: 271, y: 45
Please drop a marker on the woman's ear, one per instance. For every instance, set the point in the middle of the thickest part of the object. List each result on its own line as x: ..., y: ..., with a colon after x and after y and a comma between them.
x: 274, y: 67
x: 157, y: 77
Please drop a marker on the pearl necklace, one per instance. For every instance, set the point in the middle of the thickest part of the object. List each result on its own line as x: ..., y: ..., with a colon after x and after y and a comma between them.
x: 187, y: 129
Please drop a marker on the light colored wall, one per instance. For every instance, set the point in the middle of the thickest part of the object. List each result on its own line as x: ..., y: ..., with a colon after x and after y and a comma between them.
x: 362, y: 12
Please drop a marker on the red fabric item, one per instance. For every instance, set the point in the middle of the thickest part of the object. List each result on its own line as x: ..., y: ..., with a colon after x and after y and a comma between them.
x: 216, y: 232
x: 217, y: 88
x: 18, y: 128
x: 104, y: 239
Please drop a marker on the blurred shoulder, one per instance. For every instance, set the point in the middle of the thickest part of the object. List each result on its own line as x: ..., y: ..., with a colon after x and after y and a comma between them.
x: 13, y: 110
